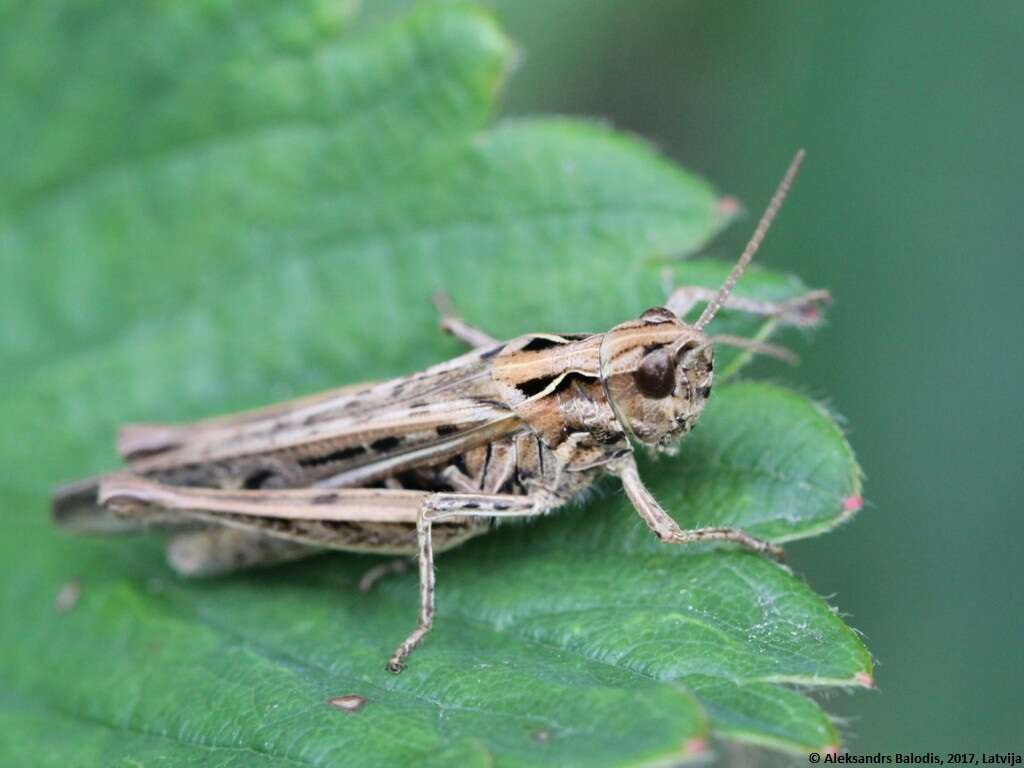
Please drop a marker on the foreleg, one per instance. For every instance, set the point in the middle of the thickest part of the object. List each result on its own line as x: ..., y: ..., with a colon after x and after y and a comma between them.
x: 658, y: 520
x: 802, y: 311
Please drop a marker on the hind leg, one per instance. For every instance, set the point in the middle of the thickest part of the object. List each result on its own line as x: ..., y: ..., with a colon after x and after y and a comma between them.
x: 388, y: 567
x: 219, y: 551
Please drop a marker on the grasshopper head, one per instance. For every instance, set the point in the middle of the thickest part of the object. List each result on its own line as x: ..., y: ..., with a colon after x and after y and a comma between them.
x: 657, y: 372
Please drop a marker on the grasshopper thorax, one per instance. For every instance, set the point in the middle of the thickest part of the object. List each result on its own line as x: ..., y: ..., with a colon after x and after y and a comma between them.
x: 657, y: 372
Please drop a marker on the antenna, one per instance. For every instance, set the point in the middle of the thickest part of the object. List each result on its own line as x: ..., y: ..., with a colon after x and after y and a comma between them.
x: 755, y: 242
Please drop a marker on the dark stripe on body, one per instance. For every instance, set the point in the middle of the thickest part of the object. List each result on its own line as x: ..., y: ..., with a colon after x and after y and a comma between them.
x: 385, y: 443
x: 339, y: 455
x: 539, y: 343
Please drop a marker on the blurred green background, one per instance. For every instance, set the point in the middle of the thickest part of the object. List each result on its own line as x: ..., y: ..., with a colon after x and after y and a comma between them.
x: 907, y: 209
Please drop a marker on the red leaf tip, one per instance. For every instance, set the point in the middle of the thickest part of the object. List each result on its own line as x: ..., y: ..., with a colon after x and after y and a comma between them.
x: 864, y: 679
x: 694, y: 746
x: 852, y: 503
x: 728, y: 206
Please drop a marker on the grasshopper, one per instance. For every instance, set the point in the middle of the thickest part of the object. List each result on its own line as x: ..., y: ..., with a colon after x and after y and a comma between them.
x: 422, y: 463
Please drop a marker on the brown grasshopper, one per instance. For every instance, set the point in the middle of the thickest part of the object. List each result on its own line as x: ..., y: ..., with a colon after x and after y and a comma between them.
x: 427, y: 461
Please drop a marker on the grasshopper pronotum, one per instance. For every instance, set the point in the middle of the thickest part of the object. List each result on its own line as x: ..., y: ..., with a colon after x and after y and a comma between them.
x: 424, y: 462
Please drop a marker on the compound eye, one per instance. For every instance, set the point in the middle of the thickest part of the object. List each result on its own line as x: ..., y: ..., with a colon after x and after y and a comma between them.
x: 656, y: 376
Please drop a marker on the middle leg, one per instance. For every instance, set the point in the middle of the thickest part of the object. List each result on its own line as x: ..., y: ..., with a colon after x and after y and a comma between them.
x: 437, y: 508
x: 459, y: 482
x: 453, y: 324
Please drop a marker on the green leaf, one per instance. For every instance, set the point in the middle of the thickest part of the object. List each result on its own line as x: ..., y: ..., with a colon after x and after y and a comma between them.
x: 229, y: 203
